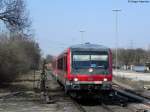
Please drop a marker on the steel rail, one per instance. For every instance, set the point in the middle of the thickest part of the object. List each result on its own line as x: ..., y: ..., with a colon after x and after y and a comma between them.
x: 80, y: 108
x: 133, y: 95
x: 107, y: 108
x: 10, y: 95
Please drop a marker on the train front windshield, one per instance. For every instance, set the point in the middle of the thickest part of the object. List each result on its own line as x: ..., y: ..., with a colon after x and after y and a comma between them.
x: 90, y: 62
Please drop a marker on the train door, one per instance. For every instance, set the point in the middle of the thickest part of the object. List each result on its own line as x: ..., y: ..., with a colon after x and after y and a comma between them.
x: 65, y: 68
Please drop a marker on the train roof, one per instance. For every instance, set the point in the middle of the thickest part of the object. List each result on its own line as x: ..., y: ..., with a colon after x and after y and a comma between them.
x: 88, y: 47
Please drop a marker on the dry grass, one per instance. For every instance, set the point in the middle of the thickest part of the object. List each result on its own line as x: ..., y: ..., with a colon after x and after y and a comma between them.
x: 31, y: 76
x: 24, y: 82
x: 136, y: 85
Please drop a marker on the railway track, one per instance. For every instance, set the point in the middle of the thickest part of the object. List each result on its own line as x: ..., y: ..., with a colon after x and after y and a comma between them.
x: 99, y: 106
x: 117, y: 105
x: 133, y: 97
x: 136, y: 104
x: 10, y: 95
x: 115, y: 108
x: 80, y: 107
x: 103, y: 108
x: 131, y: 94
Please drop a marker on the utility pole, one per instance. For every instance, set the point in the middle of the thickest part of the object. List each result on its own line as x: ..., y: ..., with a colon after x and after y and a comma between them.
x: 116, y: 36
x: 82, y: 35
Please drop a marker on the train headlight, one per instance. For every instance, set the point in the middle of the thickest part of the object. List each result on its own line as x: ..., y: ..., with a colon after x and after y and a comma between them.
x: 105, y: 79
x: 75, y: 79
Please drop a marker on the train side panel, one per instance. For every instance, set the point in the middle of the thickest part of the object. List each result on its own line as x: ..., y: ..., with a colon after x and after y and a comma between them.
x: 61, y: 68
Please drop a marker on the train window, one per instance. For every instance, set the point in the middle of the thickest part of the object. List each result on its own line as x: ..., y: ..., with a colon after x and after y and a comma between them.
x: 60, y: 64
x: 81, y: 57
x: 83, y: 60
x: 99, y: 57
x: 65, y: 63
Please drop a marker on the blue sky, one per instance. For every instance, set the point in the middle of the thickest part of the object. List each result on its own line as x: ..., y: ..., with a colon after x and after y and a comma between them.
x: 57, y: 23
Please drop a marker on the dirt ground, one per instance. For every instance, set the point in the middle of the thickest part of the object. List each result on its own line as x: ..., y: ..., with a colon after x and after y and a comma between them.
x: 21, y: 97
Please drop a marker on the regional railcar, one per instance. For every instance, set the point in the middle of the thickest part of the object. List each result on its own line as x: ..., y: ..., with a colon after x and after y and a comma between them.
x: 85, y: 67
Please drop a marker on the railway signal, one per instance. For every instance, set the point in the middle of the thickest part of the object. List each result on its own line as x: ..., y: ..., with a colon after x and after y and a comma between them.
x: 43, y: 88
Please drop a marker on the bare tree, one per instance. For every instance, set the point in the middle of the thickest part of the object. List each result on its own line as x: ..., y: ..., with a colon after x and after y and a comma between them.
x: 17, y: 56
x: 19, y: 52
x: 49, y: 58
x: 128, y: 57
x: 12, y: 13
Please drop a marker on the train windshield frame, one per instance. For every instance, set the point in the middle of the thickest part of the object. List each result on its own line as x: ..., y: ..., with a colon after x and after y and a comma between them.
x: 84, y: 61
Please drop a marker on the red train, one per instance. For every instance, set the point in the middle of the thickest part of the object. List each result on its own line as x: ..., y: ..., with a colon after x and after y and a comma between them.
x: 84, y: 68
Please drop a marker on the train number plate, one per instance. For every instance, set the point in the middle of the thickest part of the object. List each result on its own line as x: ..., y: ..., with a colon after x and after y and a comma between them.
x: 98, y: 82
